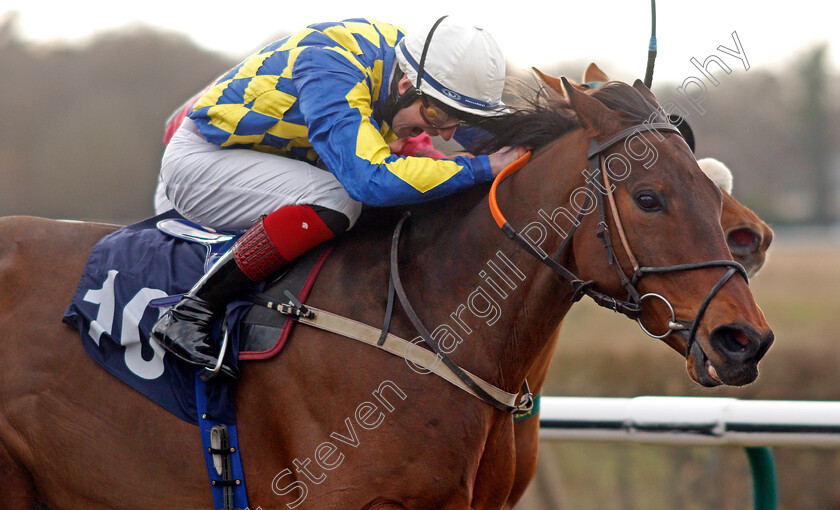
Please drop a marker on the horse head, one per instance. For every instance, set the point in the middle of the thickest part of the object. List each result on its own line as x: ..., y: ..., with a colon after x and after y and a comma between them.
x: 663, y: 223
x: 747, y: 235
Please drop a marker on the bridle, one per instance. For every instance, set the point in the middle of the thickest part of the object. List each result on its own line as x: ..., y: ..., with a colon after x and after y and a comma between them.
x: 632, y: 306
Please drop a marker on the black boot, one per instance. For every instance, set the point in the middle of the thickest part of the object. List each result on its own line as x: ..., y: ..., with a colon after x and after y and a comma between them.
x: 185, y: 329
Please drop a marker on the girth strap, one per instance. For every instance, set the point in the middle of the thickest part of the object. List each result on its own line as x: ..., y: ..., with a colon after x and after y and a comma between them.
x: 397, y: 346
x: 465, y: 378
x: 221, y: 454
x: 419, y: 357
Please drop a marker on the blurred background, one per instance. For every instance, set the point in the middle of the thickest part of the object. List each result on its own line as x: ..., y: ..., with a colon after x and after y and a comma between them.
x: 85, y: 91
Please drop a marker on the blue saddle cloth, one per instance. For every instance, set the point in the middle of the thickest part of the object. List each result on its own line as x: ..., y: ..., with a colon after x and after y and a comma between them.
x: 126, y: 271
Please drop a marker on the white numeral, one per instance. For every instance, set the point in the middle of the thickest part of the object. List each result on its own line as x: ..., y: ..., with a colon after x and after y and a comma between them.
x: 132, y: 314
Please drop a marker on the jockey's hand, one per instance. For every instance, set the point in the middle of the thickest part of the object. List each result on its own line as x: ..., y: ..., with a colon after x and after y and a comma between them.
x: 397, y: 145
x: 500, y: 159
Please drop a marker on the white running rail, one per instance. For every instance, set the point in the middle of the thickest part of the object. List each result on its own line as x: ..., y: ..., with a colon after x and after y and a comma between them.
x: 691, y: 421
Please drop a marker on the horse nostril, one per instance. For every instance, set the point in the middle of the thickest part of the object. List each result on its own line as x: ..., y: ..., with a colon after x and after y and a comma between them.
x: 743, y: 240
x: 764, y: 344
x: 736, y: 343
x: 740, y: 338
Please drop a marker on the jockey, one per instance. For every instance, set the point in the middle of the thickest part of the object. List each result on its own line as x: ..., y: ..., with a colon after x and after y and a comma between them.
x: 291, y: 142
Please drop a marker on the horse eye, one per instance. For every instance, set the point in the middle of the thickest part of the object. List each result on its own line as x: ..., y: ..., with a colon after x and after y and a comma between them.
x: 648, y: 201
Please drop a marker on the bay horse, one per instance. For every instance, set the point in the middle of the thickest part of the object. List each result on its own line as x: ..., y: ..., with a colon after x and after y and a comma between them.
x: 747, y: 236
x: 74, y: 437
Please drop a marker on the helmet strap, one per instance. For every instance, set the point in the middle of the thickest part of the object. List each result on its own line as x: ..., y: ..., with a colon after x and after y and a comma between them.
x: 422, y: 64
x: 399, y: 101
x: 407, y: 99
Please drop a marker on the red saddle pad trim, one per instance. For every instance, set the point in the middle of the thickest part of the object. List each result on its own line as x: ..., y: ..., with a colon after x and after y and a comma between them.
x: 287, y: 327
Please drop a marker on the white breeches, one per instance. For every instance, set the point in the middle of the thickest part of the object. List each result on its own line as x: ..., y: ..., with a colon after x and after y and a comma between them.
x: 230, y: 189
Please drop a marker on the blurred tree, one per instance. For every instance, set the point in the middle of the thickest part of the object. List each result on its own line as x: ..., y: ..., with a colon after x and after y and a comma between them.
x: 815, y: 134
x: 81, y: 131
x: 9, y: 28
x: 82, y: 126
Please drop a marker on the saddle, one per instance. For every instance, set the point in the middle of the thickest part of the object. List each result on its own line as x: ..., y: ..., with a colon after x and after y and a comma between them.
x: 258, y: 332
x: 262, y: 330
x: 134, y: 272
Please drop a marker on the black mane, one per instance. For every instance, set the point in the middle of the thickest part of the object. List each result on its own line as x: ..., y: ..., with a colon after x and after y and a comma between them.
x: 541, y: 119
x: 538, y: 118
x: 623, y: 98
x: 544, y: 116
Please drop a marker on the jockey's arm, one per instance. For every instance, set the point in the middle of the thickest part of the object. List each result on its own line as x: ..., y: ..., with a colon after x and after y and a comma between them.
x: 420, y: 146
x: 468, y: 136
x: 336, y: 102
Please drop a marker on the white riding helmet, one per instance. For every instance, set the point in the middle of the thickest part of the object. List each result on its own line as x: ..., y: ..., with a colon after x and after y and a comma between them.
x: 463, y: 66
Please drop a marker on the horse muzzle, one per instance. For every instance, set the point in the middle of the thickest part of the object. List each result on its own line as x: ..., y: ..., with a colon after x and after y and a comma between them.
x: 735, y: 350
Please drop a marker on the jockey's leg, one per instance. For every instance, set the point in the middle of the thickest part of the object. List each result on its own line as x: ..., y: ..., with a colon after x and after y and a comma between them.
x: 161, y: 202
x: 233, y: 190
x: 268, y: 246
x: 230, y: 189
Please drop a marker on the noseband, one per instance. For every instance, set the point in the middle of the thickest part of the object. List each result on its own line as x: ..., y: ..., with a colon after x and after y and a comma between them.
x: 632, y: 306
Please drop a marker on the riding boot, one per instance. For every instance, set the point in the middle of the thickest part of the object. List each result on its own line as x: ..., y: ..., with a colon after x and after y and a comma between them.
x: 185, y: 329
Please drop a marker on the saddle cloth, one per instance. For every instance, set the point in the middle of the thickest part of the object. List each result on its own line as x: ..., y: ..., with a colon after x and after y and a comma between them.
x: 133, y: 273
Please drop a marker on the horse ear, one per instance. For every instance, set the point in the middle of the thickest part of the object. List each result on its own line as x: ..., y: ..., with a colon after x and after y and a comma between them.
x: 590, y: 112
x: 552, y: 82
x: 594, y: 73
x: 646, y: 93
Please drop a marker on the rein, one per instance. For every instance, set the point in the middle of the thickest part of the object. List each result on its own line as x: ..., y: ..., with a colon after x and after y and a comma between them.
x: 630, y: 307
x: 519, y: 406
x: 500, y: 399
x: 526, y: 402
x: 580, y: 287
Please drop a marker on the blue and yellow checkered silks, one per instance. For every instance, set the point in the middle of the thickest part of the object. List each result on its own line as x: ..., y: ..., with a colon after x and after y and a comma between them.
x: 320, y: 94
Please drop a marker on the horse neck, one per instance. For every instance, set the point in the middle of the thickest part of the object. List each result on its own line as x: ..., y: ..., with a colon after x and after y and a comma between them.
x: 498, y: 302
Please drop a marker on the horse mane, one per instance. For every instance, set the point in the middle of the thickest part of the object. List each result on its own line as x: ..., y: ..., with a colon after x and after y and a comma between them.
x: 540, y: 116
x: 537, y: 117
x: 629, y: 102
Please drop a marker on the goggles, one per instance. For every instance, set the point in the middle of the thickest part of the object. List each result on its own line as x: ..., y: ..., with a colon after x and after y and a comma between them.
x: 435, y: 117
